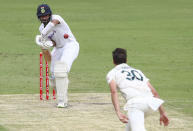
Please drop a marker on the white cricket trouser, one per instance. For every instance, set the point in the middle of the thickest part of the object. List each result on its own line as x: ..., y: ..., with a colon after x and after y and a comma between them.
x: 137, y: 109
x: 136, y: 116
x: 66, y: 54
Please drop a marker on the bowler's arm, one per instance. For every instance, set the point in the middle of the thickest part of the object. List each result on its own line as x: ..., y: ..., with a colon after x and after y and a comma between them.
x: 163, y: 118
x: 115, y: 101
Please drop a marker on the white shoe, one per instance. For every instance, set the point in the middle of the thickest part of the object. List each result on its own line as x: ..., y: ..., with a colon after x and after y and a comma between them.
x: 62, y: 105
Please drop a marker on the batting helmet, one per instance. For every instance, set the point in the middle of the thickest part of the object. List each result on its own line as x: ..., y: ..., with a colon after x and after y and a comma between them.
x: 43, y: 10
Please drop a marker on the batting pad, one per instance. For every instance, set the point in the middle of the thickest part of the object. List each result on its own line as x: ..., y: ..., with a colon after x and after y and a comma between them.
x: 60, y: 69
x: 61, y: 78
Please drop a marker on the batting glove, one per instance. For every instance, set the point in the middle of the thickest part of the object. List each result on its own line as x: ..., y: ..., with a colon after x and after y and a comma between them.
x: 43, y: 43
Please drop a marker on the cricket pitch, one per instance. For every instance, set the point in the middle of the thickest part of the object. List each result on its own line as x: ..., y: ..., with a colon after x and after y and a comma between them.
x: 86, y: 112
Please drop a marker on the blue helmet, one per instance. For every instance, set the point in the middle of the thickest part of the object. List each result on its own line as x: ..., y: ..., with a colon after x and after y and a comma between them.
x: 43, y: 10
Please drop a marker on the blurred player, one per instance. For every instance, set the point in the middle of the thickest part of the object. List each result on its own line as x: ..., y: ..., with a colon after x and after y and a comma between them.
x: 56, y: 33
x: 141, y: 97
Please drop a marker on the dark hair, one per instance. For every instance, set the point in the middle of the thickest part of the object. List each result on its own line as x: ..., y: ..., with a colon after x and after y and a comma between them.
x: 119, y: 56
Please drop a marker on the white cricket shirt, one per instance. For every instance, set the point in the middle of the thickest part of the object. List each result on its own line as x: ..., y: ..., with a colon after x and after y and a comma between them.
x: 131, y: 82
x: 59, y: 31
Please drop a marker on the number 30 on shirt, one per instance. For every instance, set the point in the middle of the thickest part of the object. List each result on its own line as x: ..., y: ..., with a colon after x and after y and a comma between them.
x: 132, y: 75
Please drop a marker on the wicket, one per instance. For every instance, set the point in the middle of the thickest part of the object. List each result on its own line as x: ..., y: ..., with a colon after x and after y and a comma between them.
x: 47, y: 79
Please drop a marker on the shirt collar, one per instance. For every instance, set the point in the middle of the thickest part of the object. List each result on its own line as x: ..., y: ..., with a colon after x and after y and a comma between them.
x: 120, y: 65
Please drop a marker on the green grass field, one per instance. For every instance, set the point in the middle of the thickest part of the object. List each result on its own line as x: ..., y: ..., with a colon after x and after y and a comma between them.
x: 158, y: 35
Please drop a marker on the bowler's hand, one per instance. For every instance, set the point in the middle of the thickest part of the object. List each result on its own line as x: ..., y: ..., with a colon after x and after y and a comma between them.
x: 122, y: 117
x: 164, y: 119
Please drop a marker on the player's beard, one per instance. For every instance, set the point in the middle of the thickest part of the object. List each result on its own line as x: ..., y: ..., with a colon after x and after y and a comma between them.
x: 45, y: 22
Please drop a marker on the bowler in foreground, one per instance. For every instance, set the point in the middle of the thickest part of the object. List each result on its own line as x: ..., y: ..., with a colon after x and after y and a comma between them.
x: 142, y: 98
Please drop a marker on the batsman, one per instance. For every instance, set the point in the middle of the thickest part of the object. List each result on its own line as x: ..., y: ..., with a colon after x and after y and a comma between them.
x: 56, y: 34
